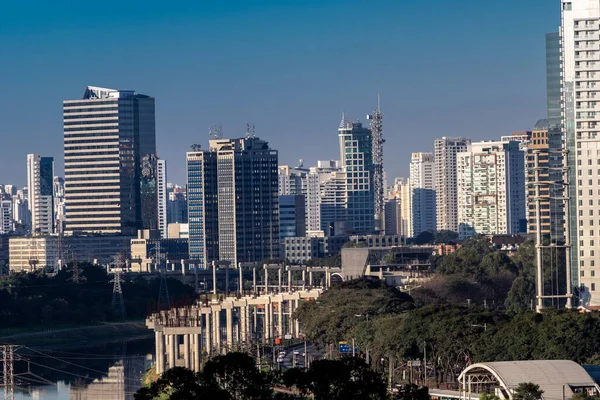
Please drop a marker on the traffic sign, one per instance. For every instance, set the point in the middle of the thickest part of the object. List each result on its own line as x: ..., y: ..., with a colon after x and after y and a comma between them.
x: 345, y: 348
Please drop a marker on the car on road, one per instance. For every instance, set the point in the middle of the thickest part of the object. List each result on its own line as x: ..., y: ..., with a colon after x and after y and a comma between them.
x: 296, y: 352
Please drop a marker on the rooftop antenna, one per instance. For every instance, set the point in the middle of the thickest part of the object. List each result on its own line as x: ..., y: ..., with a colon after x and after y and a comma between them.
x: 300, y: 163
x: 216, y: 132
x: 196, y: 147
x: 343, y: 121
x: 250, y: 131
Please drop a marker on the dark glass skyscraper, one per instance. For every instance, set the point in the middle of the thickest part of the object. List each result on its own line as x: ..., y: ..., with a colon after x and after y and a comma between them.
x: 110, y: 162
x: 233, y: 207
x: 356, y: 154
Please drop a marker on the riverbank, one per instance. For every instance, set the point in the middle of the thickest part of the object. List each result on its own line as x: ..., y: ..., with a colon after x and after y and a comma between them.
x: 78, y: 336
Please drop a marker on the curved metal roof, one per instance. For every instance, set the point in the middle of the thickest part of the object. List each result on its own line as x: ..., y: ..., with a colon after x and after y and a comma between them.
x: 541, y: 125
x: 551, y: 375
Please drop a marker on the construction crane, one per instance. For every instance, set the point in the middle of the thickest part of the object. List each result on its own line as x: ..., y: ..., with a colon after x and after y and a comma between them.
x: 376, y: 119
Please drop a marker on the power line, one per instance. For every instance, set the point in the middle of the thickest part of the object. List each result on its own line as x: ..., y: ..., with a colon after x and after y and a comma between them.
x: 70, y: 363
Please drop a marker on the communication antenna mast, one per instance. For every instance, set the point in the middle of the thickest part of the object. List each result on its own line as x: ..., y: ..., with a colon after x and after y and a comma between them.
x: 216, y: 132
x: 250, y: 131
x: 376, y: 119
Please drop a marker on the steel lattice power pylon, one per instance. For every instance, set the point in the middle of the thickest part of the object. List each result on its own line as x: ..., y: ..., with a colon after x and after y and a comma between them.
x: 376, y: 119
x: 8, y: 371
x: 117, y: 299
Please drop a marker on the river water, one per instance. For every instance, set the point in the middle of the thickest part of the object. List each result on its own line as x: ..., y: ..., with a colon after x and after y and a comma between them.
x: 110, y: 371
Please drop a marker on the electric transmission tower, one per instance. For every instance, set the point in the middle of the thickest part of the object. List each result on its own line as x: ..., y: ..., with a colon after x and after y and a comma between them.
x: 163, y: 292
x: 376, y: 119
x: 117, y: 298
x: 8, y: 371
x: 164, y: 303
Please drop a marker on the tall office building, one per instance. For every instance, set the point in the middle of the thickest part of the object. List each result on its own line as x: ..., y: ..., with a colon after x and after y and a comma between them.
x: 333, y: 204
x: 292, y: 218
x: 445, y: 150
x: 491, y: 189
x: 40, y: 182
x: 580, y: 28
x: 405, y: 195
x: 391, y: 216
x: 6, y: 217
x: 176, y: 204
x: 423, y: 196
x: 292, y: 180
x: 356, y: 155
x: 321, y: 184
x: 110, y: 162
x: 233, y: 207
x: 59, y: 205
x: 161, y: 193
x: 401, y: 192
x: 555, y: 135
x: 202, y: 204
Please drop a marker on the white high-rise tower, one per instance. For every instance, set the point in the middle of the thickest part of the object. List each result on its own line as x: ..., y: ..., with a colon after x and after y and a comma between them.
x: 40, y: 182
x: 161, y: 192
x: 422, y: 192
x: 445, y: 150
x: 580, y: 30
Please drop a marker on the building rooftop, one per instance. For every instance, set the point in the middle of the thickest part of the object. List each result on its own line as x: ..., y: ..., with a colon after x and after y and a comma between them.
x: 95, y: 92
x: 541, y: 125
x: 553, y: 376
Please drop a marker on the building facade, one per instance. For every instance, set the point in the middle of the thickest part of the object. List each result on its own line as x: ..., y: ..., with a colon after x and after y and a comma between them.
x: 6, y: 217
x: 491, y: 189
x: 392, y: 216
x: 423, y: 195
x: 40, y: 182
x: 579, y: 36
x: 110, y: 162
x: 53, y: 252
x: 233, y: 207
x: 300, y: 250
x: 445, y: 150
x: 292, y: 216
x: 161, y: 192
x: 356, y: 155
x: 59, y: 205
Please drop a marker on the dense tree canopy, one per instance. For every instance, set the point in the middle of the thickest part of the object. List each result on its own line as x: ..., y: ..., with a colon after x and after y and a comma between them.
x: 430, y: 237
x: 234, y: 376
x: 347, y: 378
x: 34, y: 299
x: 528, y: 391
x: 335, y: 313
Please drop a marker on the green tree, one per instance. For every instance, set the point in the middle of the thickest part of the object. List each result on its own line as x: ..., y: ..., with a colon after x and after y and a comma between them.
x: 346, y: 379
x: 528, y: 391
x: 336, y: 313
x: 181, y: 384
x: 237, y: 374
x: 488, y: 396
x: 582, y: 396
x: 233, y: 376
x: 412, y: 392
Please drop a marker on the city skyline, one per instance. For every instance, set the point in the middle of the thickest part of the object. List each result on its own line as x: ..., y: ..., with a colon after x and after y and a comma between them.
x: 290, y: 89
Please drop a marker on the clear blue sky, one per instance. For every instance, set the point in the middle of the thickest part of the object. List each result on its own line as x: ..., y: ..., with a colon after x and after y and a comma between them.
x: 443, y: 68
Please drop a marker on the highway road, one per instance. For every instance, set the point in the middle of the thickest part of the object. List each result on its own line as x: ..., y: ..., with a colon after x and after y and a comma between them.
x: 291, y: 360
